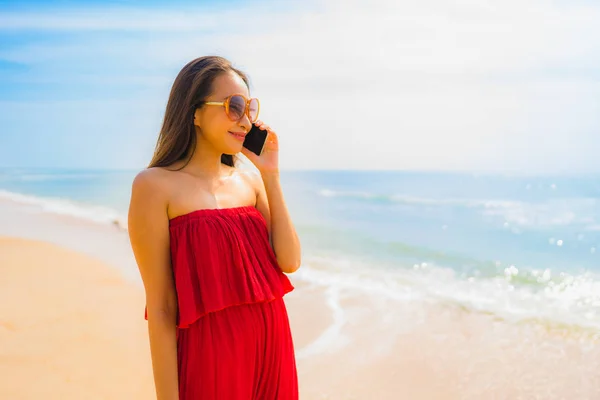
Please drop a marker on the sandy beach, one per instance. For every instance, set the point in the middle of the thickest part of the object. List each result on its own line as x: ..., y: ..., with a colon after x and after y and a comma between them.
x: 72, y: 327
x: 66, y: 327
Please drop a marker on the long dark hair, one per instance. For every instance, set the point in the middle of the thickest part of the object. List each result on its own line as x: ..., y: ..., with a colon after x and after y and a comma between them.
x: 177, y: 137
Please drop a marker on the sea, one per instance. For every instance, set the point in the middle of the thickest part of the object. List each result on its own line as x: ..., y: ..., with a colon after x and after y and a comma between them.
x: 523, y: 248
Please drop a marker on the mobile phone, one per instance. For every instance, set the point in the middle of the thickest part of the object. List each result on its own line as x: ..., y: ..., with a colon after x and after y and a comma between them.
x: 255, y: 140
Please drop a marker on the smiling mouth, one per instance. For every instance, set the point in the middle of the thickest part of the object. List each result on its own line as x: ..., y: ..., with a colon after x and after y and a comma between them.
x: 239, y: 135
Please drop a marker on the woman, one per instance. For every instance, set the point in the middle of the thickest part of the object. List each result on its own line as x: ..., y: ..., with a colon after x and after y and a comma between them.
x: 212, y: 243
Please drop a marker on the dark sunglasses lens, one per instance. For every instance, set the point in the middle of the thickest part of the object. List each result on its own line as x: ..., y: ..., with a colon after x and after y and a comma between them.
x: 237, y: 106
x: 253, y: 110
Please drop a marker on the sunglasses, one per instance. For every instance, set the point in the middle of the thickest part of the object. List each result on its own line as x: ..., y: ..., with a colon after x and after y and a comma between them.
x: 236, y: 106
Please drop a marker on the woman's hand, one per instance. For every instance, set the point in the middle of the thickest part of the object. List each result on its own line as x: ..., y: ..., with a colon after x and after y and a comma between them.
x: 268, y: 161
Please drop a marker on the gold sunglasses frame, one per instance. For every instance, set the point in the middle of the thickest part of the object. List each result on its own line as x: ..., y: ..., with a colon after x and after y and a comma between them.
x: 246, y: 112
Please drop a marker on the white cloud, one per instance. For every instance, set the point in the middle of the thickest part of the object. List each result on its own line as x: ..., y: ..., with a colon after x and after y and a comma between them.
x: 113, y: 19
x: 381, y: 84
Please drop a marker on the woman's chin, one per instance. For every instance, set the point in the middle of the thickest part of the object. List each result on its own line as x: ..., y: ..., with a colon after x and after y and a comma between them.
x: 233, y: 151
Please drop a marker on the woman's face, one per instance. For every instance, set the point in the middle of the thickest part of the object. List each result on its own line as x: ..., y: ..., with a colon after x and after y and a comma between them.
x: 211, y: 121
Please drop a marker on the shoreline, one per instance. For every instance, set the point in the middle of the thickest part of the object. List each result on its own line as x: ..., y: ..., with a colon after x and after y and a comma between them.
x: 516, y: 302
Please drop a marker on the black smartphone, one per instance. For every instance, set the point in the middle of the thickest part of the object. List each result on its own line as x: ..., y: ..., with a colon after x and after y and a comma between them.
x: 255, y: 140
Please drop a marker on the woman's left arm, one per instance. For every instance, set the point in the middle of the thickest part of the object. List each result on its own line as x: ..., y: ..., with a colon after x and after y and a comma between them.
x: 284, y: 239
x: 270, y: 202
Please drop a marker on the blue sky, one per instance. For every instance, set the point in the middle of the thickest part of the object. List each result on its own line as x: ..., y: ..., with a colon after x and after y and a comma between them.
x: 386, y: 84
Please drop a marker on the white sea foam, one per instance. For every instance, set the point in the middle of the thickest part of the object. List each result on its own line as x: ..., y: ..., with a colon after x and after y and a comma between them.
x: 568, y: 299
x: 332, y: 338
x: 62, y: 206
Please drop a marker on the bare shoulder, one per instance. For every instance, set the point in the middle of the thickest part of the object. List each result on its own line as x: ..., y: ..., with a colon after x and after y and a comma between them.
x: 150, y: 176
x: 253, y: 178
x: 150, y: 192
x: 151, y: 181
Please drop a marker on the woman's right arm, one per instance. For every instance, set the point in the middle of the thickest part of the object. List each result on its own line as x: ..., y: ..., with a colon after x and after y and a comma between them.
x: 148, y: 226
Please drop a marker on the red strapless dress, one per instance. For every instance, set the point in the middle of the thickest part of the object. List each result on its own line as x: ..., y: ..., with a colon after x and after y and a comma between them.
x: 233, y: 333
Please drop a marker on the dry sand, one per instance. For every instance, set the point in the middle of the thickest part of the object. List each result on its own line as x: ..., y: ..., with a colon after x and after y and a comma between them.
x: 66, y: 327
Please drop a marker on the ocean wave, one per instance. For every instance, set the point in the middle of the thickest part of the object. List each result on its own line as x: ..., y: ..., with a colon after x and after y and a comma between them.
x: 541, y: 215
x: 63, y: 206
x: 406, y: 199
x: 48, y: 177
x: 514, y: 294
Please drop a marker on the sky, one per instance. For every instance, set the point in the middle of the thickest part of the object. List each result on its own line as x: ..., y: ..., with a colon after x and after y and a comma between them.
x: 451, y: 85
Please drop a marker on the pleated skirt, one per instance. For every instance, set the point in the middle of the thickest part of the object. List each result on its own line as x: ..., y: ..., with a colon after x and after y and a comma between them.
x: 242, y: 352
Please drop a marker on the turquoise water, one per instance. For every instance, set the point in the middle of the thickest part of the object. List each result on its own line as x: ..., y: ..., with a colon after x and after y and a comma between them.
x: 520, y: 247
